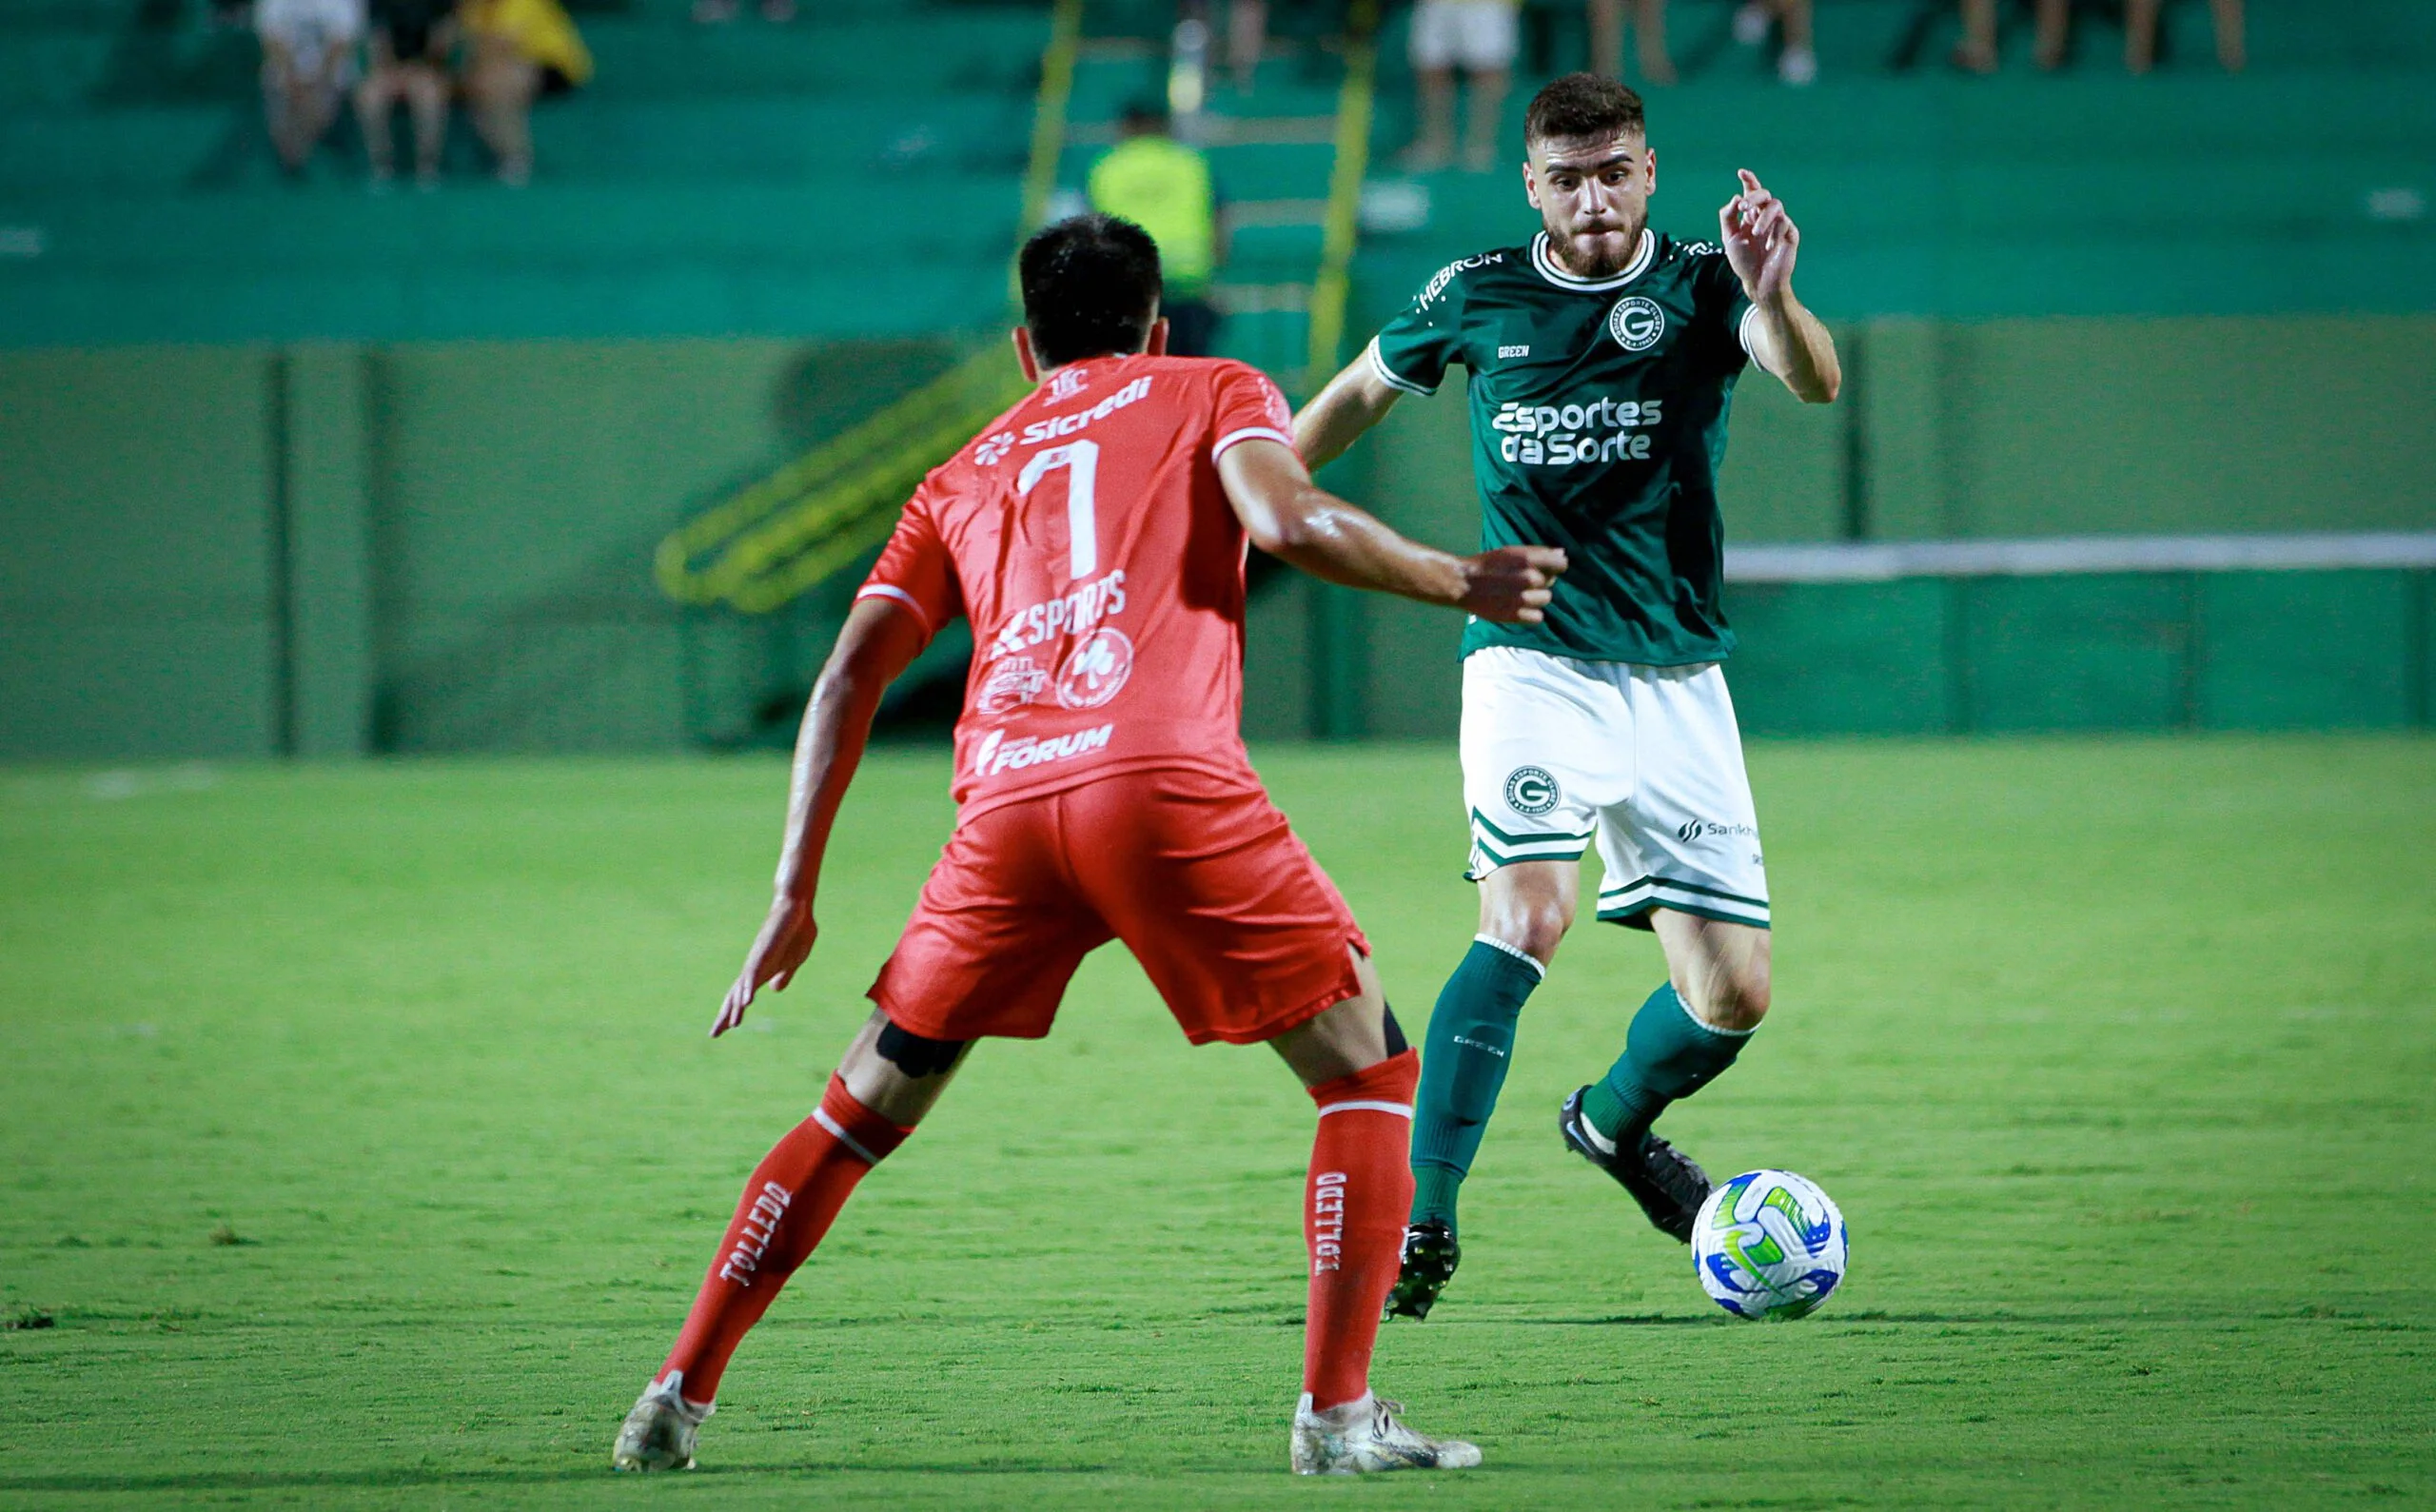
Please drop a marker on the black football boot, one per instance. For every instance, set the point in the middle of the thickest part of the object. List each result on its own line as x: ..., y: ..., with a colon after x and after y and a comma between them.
x: 1669, y: 1185
x: 1430, y: 1257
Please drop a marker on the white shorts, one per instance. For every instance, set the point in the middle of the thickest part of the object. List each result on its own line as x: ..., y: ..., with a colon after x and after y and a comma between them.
x: 308, y: 28
x: 1476, y: 34
x: 1647, y: 759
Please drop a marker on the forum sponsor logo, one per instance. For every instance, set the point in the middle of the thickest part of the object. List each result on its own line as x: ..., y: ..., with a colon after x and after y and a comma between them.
x: 998, y: 753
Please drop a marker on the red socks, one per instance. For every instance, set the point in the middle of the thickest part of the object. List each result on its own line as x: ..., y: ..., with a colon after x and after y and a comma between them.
x: 788, y: 1204
x: 1355, y: 1202
x: 1353, y: 1219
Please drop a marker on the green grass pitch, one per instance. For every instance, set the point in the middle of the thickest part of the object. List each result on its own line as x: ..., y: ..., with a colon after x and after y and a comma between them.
x: 2120, y: 1056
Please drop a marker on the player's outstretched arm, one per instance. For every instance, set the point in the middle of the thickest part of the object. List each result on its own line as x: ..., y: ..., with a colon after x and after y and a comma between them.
x: 1354, y: 401
x: 1761, y: 242
x: 1291, y: 518
x: 880, y: 639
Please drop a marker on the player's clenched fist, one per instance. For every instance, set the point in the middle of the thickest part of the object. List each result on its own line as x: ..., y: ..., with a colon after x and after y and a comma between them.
x: 1511, y: 585
x: 785, y: 939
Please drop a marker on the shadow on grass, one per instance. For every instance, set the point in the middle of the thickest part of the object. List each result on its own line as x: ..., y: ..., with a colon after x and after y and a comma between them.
x: 426, y: 1474
x: 2043, y: 1320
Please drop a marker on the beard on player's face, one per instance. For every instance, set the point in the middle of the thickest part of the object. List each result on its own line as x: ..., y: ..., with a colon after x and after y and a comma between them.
x: 1594, y: 225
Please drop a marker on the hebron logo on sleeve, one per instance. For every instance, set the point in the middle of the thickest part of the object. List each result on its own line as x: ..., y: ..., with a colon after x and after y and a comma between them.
x: 1444, y: 276
x: 998, y: 753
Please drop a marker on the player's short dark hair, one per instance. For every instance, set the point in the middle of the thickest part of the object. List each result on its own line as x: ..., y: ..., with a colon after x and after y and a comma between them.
x: 1581, y: 105
x: 1091, y: 287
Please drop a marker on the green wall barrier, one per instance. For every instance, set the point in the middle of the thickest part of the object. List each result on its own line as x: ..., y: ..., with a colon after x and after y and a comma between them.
x: 323, y: 550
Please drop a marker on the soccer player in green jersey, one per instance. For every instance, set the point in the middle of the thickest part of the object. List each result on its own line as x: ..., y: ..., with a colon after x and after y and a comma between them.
x: 1601, y: 359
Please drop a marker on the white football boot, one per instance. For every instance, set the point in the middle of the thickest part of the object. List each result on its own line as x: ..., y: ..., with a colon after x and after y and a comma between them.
x: 659, y: 1434
x: 1355, y: 1438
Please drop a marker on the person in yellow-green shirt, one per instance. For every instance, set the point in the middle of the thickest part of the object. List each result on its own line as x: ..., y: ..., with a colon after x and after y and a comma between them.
x: 521, y: 50
x: 1165, y: 188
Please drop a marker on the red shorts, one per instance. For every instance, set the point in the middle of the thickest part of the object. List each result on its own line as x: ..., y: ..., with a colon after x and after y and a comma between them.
x: 1236, y: 925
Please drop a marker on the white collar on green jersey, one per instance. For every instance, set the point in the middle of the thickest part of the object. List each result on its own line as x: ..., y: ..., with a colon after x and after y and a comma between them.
x: 1549, y: 269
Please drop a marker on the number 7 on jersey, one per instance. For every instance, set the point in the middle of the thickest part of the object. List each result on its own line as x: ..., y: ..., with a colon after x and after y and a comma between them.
x: 1081, y: 460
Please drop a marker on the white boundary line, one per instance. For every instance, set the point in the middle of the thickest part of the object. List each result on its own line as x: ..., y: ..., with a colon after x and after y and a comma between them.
x: 1885, y: 562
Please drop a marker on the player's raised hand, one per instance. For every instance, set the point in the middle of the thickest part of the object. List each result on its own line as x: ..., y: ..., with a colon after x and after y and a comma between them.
x: 1511, y: 585
x: 785, y: 939
x: 1760, y: 239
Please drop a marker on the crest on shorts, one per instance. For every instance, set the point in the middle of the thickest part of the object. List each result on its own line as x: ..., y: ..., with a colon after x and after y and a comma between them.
x: 1635, y: 322
x: 1531, y: 791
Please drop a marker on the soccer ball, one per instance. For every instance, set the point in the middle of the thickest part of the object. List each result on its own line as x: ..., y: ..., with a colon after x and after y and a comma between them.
x: 1768, y: 1246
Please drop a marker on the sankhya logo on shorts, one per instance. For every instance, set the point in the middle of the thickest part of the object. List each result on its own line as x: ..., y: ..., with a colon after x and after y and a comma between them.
x: 1531, y: 790
x: 1691, y: 830
x: 1635, y: 322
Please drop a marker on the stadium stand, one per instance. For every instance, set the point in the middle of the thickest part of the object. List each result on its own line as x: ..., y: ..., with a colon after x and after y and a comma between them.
x: 2074, y: 304
x: 747, y: 180
x: 756, y: 179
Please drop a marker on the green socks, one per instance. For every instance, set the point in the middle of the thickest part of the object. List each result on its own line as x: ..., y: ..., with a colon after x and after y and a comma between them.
x: 1668, y: 1055
x: 1463, y: 1066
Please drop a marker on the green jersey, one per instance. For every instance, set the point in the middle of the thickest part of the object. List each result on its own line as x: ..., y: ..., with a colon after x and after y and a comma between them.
x: 1598, y: 410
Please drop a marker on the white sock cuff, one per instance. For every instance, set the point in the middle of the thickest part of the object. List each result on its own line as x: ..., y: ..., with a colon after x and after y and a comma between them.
x: 1704, y: 1024
x: 1538, y: 971
x: 1400, y: 1110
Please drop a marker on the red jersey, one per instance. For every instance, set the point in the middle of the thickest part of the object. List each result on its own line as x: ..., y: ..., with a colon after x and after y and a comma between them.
x: 1085, y: 535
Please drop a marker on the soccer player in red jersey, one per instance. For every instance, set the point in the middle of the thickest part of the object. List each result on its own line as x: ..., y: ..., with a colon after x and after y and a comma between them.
x: 1094, y: 536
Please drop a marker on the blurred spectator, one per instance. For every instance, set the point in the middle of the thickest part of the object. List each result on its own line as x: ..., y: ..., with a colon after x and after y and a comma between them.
x: 1478, y: 37
x: 1797, y: 60
x: 2140, y: 33
x: 1977, y: 52
x: 1246, y: 39
x: 521, y: 50
x: 308, y: 60
x: 2054, y: 19
x: 1164, y: 187
x: 1649, y: 29
x: 411, y: 40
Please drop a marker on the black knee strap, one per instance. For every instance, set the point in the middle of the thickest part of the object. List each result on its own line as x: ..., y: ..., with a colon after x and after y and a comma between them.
x: 918, y: 1055
x: 1397, y: 1044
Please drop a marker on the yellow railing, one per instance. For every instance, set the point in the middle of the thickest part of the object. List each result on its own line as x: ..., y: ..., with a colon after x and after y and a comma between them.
x: 1333, y: 283
x: 813, y: 517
